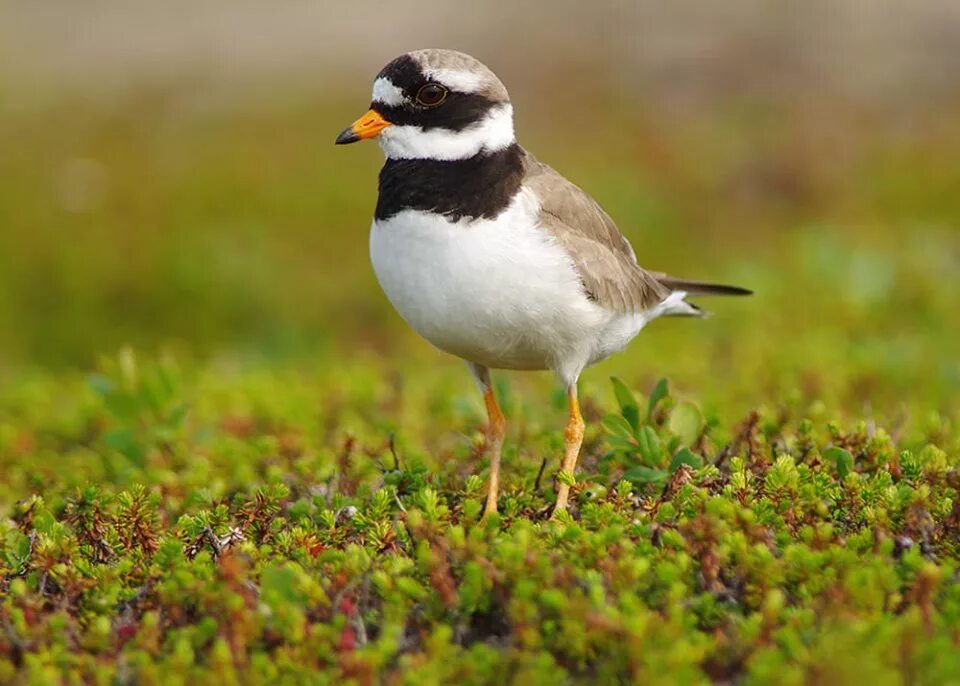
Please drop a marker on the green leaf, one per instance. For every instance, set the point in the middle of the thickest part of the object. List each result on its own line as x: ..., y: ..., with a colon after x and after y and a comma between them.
x: 842, y: 458
x: 644, y: 475
x: 43, y: 521
x: 617, y: 425
x: 628, y: 404
x: 686, y: 422
x: 621, y: 444
x: 20, y: 545
x: 686, y: 457
x: 660, y: 392
x: 649, y: 444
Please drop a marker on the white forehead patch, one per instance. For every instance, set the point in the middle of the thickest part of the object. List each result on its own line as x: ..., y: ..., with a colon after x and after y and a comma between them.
x: 456, y: 79
x: 386, y: 92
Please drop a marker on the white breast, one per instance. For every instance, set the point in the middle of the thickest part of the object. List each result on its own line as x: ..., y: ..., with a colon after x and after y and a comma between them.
x: 497, y: 292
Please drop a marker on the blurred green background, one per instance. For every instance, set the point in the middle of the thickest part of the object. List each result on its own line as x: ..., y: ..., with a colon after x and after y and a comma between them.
x: 168, y: 181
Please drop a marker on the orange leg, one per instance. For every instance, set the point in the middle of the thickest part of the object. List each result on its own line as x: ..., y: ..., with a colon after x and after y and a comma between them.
x: 573, y: 437
x: 496, y: 429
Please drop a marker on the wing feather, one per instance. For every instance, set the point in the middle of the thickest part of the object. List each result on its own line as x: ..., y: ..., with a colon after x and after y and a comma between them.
x: 603, y: 258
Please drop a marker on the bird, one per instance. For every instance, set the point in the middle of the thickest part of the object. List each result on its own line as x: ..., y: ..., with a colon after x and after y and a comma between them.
x: 490, y: 254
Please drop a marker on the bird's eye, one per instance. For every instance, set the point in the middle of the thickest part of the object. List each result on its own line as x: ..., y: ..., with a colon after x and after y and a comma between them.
x: 431, y: 95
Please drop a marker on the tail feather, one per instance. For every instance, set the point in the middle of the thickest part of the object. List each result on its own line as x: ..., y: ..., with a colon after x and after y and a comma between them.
x: 702, y: 288
x: 675, y: 305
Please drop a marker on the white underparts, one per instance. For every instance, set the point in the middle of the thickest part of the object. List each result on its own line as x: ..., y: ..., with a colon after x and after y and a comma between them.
x: 497, y: 292
x: 493, y: 132
x: 674, y: 304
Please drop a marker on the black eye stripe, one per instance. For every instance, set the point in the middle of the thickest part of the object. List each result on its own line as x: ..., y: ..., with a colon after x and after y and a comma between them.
x: 459, y: 111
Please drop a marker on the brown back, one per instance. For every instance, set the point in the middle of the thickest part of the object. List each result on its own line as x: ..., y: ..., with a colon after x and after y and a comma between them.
x: 601, y: 255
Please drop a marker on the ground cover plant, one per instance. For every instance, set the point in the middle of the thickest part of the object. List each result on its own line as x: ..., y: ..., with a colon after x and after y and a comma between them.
x: 166, y: 527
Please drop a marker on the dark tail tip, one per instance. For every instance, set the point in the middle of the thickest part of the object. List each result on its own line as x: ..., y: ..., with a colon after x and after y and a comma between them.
x: 731, y: 290
x: 701, y: 288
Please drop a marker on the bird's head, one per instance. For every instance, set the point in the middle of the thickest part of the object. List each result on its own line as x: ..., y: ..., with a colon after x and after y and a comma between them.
x: 435, y: 104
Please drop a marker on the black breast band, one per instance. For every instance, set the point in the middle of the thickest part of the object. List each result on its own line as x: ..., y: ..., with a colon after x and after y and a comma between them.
x: 479, y: 186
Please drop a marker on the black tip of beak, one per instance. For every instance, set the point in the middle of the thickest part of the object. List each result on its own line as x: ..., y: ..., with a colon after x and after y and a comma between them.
x: 347, y: 136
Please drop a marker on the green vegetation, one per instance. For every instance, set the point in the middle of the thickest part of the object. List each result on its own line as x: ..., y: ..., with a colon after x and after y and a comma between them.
x: 282, y: 484
x: 232, y: 527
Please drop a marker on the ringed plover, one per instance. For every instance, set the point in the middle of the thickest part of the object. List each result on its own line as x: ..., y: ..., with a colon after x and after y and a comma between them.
x: 490, y: 254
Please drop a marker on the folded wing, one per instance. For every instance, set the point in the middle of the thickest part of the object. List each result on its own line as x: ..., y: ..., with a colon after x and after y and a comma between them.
x: 603, y: 258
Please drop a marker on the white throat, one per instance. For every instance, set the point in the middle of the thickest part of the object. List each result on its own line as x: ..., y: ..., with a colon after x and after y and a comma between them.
x: 493, y: 132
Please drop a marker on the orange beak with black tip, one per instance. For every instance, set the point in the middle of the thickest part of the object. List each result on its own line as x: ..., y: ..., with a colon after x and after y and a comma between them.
x: 367, y: 126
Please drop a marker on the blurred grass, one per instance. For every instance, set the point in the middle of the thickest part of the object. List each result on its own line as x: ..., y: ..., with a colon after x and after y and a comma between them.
x: 215, y: 223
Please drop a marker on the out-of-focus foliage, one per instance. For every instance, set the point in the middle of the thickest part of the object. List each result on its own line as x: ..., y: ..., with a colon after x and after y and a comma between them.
x: 215, y: 227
